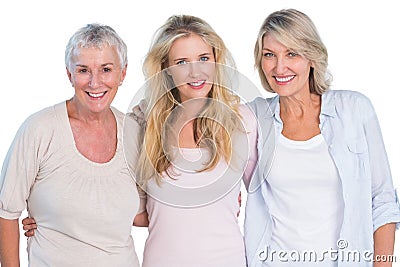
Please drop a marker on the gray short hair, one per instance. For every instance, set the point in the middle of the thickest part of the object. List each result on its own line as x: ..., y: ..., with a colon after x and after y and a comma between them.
x: 96, y: 35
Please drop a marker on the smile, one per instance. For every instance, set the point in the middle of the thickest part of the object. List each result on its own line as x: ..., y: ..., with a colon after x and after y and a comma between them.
x: 98, y: 95
x: 197, y: 84
x: 284, y: 79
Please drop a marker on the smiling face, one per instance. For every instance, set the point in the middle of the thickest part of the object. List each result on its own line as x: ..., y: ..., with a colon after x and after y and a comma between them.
x: 286, y: 71
x: 96, y: 75
x: 191, y: 63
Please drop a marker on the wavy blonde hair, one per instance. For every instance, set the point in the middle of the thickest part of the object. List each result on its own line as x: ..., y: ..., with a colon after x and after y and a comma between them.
x: 162, y: 97
x: 296, y: 31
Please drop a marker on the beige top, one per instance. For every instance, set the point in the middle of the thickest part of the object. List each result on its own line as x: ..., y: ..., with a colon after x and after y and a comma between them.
x: 84, y: 210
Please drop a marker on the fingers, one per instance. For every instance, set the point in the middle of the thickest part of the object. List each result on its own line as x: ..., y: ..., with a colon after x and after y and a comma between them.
x: 29, y: 233
x: 28, y: 220
x: 240, y: 203
x: 29, y: 226
x: 138, y: 115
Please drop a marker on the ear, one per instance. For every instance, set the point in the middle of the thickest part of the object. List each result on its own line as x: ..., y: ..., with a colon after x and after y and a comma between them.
x: 124, y: 73
x: 168, y: 71
x: 69, y: 76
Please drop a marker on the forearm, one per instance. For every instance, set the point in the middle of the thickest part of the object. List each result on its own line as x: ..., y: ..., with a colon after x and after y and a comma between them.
x: 384, y: 245
x: 9, y: 243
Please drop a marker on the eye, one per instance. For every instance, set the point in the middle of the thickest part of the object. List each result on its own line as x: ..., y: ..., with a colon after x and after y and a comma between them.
x: 83, y: 70
x: 107, y: 69
x: 204, y: 58
x: 268, y: 54
x: 181, y: 62
x: 292, y: 54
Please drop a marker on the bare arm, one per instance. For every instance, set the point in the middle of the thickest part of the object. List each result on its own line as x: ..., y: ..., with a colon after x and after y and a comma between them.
x: 384, y: 245
x: 9, y: 243
x: 141, y: 220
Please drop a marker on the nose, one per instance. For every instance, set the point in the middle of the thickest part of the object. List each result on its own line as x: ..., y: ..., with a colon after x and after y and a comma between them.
x: 95, y: 80
x: 194, y: 69
x: 281, y: 65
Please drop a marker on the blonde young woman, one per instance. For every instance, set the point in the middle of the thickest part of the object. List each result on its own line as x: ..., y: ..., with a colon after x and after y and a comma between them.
x: 198, y: 143
x: 324, y: 196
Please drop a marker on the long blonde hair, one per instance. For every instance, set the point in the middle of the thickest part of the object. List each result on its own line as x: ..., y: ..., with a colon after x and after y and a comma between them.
x: 162, y: 97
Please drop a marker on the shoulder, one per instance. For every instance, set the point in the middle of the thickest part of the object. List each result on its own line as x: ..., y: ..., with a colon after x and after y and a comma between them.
x: 40, y: 127
x: 347, y: 99
x: 42, y: 119
x: 348, y: 96
x: 349, y: 104
x: 264, y: 107
x: 248, y: 117
x: 245, y: 111
x: 118, y: 114
x: 262, y: 101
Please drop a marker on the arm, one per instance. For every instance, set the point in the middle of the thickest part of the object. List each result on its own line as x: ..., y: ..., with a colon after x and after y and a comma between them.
x: 142, y: 218
x: 9, y: 243
x: 384, y: 245
x: 17, y: 176
x: 135, y: 123
x: 385, y: 206
x: 250, y: 124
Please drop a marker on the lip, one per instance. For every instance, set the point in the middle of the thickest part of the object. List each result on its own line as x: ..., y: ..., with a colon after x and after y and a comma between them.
x: 197, y: 85
x: 282, y: 80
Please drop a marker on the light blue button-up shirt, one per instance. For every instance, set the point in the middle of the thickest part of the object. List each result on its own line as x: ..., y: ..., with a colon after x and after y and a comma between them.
x: 351, y: 129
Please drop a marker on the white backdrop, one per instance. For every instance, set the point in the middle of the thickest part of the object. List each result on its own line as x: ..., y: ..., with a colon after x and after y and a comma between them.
x: 361, y: 37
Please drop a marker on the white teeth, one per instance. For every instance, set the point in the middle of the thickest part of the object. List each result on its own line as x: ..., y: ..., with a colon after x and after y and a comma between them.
x: 197, y: 83
x: 284, y: 79
x: 96, y: 95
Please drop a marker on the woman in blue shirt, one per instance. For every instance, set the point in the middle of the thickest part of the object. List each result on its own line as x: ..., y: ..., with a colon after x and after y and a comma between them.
x: 323, y: 193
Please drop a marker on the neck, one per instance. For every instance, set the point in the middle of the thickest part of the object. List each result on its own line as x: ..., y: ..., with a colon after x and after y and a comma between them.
x: 191, y: 108
x: 78, y: 112
x: 299, y: 105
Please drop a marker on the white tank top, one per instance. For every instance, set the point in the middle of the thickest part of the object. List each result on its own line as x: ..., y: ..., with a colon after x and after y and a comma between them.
x: 305, y: 199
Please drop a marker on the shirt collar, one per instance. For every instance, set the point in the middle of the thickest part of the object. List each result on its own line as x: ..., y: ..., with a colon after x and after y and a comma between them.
x: 274, y: 106
x: 327, y: 105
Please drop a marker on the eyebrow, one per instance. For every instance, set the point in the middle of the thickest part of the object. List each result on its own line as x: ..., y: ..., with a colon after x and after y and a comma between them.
x: 270, y: 50
x: 102, y: 65
x: 205, y: 54
x: 184, y: 58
